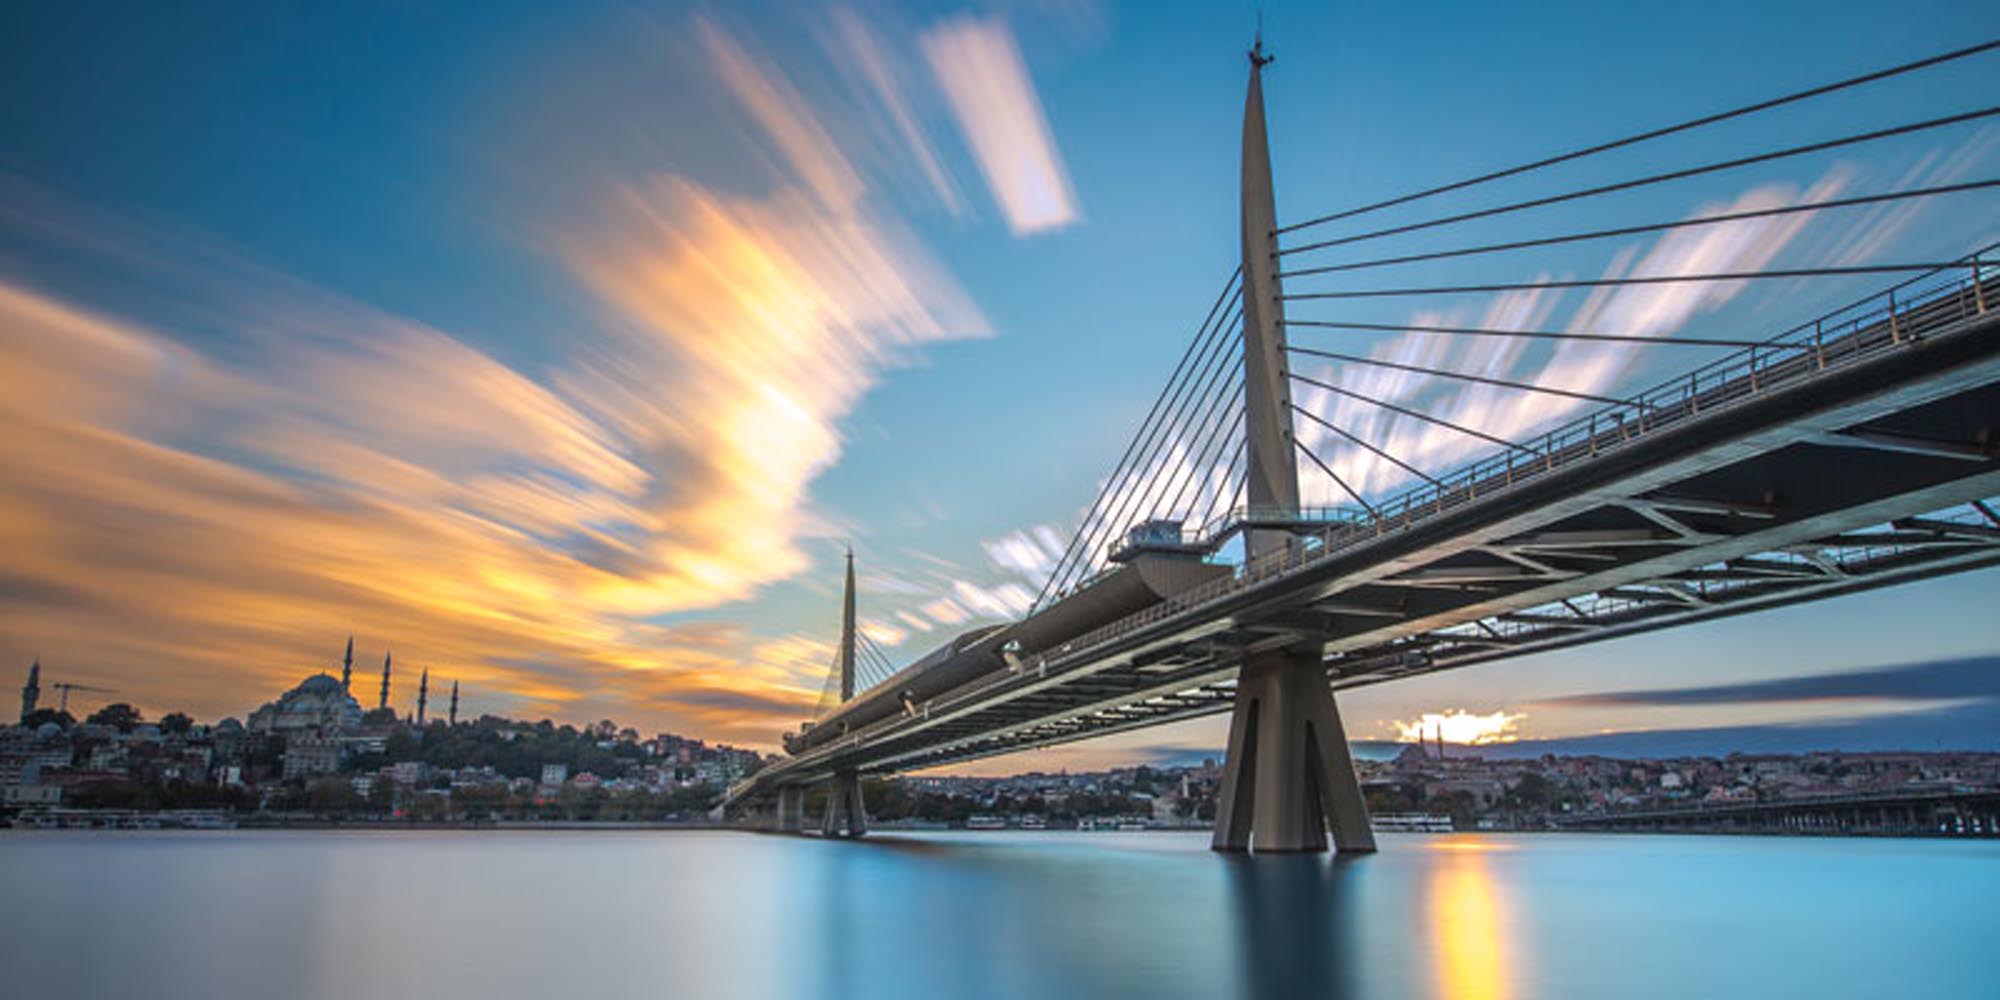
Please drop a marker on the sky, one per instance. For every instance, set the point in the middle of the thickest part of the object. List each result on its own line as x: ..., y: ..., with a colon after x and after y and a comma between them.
x: 563, y: 349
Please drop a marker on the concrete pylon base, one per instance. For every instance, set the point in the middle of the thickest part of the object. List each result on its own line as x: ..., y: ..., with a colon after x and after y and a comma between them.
x: 844, y: 813
x: 1289, y: 771
x: 791, y: 810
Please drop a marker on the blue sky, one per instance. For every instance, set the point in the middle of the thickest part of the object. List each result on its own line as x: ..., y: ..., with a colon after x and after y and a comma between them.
x: 562, y: 349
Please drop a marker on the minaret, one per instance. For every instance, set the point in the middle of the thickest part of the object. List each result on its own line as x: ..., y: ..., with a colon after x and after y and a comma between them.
x: 423, y: 694
x: 845, y: 815
x: 454, y: 702
x: 347, y: 665
x: 384, y: 703
x: 31, y: 692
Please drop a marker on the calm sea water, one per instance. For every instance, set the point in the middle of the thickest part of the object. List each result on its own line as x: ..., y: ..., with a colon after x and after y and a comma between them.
x: 676, y: 914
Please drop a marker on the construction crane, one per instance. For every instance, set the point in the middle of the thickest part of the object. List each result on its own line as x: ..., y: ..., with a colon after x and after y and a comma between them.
x: 66, y: 687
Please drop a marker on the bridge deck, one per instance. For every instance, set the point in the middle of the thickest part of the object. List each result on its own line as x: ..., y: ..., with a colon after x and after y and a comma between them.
x: 1837, y: 459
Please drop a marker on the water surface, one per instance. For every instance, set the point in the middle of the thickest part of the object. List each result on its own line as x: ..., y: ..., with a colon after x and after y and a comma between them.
x: 449, y: 915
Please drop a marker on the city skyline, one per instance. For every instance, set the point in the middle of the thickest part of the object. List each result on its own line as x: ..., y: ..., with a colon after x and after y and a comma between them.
x: 581, y: 374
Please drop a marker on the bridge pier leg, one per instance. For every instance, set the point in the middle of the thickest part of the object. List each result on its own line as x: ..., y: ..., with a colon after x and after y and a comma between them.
x: 791, y: 809
x: 844, y: 813
x: 1288, y: 772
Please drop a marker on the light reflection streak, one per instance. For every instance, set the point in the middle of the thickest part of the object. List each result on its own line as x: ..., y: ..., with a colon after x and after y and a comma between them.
x: 1465, y: 910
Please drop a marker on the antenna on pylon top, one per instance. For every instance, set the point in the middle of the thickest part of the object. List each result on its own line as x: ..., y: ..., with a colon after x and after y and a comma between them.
x: 1258, y: 57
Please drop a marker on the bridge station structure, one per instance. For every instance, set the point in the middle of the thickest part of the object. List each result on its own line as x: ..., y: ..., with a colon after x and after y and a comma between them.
x: 1855, y: 451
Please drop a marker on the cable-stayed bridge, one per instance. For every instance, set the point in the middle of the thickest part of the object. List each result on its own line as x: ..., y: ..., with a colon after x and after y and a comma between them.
x: 1852, y: 451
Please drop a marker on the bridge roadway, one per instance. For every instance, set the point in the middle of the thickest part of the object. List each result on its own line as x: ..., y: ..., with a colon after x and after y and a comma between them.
x: 1851, y: 453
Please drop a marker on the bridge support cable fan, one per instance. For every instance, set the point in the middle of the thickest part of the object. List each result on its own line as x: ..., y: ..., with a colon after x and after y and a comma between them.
x: 1651, y: 227
x: 1378, y: 452
x: 1925, y: 267
x: 1189, y: 423
x: 1133, y: 494
x: 1614, y: 338
x: 1145, y: 476
x: 1459, y: 376
x: 1651, y: 134
x: 1169, y: 400
x: 1144, y: 443
x: 1649, y: 180
x: 1201, y: 459
x: 1418, y: 414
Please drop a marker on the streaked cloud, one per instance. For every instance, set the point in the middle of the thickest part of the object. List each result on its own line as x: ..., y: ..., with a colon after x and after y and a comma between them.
x: 1939, y: 680
x: 894, y: 103
x: 980, y: 69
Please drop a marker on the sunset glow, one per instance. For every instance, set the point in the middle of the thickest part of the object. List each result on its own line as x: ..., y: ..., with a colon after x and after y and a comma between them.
x: 1460, y: 726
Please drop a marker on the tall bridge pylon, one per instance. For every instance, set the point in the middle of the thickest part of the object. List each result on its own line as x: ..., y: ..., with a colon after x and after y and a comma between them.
x: 1288, y: 772
x: 844, y: 814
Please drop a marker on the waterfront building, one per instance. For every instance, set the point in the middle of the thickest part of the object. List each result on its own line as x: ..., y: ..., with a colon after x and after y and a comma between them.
x: 310, y: 755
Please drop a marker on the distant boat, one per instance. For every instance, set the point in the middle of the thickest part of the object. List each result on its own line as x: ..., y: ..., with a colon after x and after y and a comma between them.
x: 985, y: 823
x: 1034, y: 823
x: 1131, y: 826
x: 1413, y: 823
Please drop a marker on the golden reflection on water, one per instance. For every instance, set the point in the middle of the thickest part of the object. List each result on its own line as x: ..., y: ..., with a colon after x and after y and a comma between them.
x: 1465, y: 913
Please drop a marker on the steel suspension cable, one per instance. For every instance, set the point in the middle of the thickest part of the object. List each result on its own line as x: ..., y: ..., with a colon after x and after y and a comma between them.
x: 1657, y: 133
x: 1335, y: 476
x: 1406, y: 411
x: 1199, y: 428
x: 1474, y: 331
x: 1236, y: 478
x: 1201, y: 458
x: 1672, y: 175
x: 1202, y: 509
x: 1658, y: 279
x: 1379, y: 452
x: 1651, y: 227
x: 1461, y: 376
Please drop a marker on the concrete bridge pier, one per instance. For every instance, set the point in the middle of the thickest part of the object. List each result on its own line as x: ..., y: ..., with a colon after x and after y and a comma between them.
x: 1288, y: 771
x: 844, y: 813
x: 791, y: 816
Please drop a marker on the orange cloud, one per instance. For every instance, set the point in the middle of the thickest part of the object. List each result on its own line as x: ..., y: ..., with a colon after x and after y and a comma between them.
x: 197, y: 520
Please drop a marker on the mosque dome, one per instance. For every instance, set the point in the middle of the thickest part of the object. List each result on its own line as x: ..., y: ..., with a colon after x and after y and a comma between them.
x: 318, y: 703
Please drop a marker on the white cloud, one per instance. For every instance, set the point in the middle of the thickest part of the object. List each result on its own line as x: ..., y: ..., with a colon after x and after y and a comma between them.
x: 979, y: 66
x: 945, y: 611
x: 892, y: 109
